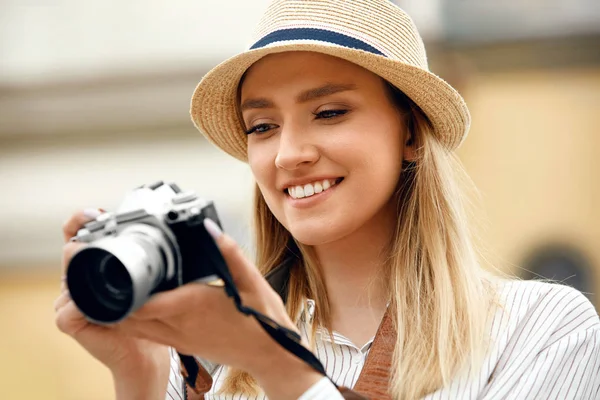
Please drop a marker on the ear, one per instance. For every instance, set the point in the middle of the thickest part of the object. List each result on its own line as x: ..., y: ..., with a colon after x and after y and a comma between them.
x: 409, y: 152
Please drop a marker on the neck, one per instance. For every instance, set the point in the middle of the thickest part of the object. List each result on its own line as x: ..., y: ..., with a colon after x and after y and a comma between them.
x: 353, y: 270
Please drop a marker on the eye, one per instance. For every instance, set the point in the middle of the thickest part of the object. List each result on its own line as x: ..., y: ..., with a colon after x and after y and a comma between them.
x: 329, y: 114
x: 261, y: 128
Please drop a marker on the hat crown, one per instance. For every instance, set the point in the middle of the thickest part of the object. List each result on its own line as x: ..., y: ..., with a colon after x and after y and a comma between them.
x: 377, y: 25
x: 373, y: 34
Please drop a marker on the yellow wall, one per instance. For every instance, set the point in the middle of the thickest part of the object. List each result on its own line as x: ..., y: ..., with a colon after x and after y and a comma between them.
x: 36, y: 360
x: 533, y: 151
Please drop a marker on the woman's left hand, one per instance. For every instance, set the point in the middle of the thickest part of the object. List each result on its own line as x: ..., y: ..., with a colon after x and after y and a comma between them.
x: 201, y: 320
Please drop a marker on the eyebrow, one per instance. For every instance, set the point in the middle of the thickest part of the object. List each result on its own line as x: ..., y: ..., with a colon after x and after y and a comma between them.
x: 325, y: 90
x: 256, y: 103
x: 308, y: 95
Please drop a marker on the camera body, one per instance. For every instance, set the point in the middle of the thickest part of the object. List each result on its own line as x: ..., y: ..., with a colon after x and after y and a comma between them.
x: 155, y: 241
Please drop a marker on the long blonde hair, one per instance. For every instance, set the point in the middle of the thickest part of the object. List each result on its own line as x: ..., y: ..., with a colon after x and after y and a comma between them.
x: 439, y: 293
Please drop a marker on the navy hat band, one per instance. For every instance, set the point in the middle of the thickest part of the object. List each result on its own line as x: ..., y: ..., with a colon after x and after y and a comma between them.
x: 320, y: 35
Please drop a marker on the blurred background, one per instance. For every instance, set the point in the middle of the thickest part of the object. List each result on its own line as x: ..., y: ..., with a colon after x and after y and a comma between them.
x: 94, y: 100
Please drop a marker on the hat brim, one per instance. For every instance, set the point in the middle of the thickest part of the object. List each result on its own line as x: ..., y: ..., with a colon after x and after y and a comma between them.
x: 214, y: 108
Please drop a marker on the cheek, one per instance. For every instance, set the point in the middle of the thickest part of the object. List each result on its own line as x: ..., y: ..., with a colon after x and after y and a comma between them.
x: 385, y: 161
x: 376, y: 178
x: 377, y: 167
x: 375, y: 149
x: 262, y: 165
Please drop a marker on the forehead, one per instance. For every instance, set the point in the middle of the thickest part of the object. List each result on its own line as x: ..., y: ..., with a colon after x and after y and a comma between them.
x: 296, y: 70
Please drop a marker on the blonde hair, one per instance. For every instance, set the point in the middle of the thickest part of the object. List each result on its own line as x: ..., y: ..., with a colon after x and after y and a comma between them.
x: 439, y: 293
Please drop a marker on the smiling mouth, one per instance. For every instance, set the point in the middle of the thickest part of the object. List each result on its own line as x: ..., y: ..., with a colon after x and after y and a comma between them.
x: 311, y: 189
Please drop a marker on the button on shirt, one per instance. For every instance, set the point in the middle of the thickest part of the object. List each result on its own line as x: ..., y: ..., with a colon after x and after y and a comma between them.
x: 545, y: 343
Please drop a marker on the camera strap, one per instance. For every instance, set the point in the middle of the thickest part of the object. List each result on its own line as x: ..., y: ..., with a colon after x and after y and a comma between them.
x: 372, y: 382
x: 287, y: 338
x: 374, y: 378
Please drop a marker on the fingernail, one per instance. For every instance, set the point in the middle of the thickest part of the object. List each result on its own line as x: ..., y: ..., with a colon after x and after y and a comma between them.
x: 212, y: 228
x: 92, y: 213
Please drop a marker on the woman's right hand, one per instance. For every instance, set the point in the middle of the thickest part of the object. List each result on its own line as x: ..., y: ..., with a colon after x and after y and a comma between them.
x: 132, y: 361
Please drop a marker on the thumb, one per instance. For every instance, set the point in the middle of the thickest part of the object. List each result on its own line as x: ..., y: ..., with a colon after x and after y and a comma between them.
x: 245, y: 275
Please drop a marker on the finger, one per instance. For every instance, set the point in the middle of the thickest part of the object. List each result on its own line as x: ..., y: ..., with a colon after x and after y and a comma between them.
x: 178, y: 301
x: 245, y: 275
x: 62, y: 300
x: 153, y: 330
x: 69, y: 319
x: 63, y: 283
x: 69, y: 249
x: 78, y: 220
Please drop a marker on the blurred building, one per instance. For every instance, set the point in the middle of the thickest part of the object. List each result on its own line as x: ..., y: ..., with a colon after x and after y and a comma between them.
x: 94, y: 100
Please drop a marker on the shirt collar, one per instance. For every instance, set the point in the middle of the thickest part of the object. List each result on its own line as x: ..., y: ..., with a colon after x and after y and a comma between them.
x: 307, y: 312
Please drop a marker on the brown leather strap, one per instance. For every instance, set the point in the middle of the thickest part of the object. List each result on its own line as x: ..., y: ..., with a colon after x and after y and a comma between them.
x: 373, y: 382
x: 374, y: 378
x: 202, y: 385
x: 350, y: 394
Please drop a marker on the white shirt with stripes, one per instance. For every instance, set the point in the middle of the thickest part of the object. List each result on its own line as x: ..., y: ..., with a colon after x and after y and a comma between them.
x: 545, y: 344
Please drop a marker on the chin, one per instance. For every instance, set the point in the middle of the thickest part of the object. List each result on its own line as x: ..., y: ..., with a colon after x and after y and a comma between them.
x: 316, y: 233
x: 311, y: 240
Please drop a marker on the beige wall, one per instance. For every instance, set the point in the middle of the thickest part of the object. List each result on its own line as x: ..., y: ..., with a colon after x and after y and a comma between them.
x: 36, y: 360
x: 533, y: 151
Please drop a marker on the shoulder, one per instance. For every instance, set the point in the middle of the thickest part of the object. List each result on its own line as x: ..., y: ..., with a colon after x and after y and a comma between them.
x: 545, y: 342
x: 552, y: 305
x: 535, y: 315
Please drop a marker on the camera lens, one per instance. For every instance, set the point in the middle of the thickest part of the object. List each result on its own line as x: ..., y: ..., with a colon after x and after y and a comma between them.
x: 109, y: 281
x: 114, y: 276
x: 100, y: 285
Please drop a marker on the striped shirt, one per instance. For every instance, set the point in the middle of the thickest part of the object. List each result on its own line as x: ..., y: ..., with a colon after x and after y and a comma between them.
x: 545, y: 344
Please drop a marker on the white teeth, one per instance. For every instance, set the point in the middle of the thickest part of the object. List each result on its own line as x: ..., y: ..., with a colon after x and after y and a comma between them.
x: 299, y: 192
x: 309, y: 190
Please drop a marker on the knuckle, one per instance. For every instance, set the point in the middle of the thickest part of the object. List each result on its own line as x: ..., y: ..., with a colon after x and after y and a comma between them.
x: 72, y: 219
x: 59, y: 321
x: 73, y: 223
x: 62, y: 300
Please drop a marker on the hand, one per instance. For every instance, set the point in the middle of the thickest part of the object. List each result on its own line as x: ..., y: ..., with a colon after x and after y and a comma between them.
x: 129, y: 358
x: 201, y: 320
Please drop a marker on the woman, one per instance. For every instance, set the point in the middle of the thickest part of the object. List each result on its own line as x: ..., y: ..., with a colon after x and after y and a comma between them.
x: 350, y: 140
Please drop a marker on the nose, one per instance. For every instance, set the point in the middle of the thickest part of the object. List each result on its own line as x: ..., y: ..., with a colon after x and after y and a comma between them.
x: 295, y: 150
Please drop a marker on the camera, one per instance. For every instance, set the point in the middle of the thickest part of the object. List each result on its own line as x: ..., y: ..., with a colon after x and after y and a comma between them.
x: 155, y: 241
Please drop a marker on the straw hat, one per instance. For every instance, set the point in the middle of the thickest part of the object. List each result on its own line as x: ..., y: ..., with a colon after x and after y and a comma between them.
x: 374, y: 34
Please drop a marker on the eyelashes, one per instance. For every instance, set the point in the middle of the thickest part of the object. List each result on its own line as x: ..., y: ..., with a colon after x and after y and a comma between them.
x: 329, y: 114
x: 260, y: 128
x: 324, y: 115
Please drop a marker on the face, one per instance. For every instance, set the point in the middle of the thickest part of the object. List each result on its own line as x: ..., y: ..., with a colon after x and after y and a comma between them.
x: 325, y: 143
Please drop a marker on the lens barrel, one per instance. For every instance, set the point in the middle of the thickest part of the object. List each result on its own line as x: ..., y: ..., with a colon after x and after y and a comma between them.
x: 116, y: 275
